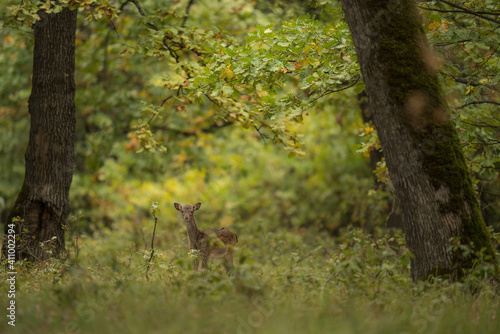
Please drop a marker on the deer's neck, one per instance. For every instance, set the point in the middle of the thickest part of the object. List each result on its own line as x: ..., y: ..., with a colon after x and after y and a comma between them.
x: 192, y: 230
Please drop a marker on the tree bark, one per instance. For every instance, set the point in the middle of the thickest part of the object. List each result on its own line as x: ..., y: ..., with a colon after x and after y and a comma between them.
x: 421, y: 146
x: 393, y: 218
x: 43, y: 202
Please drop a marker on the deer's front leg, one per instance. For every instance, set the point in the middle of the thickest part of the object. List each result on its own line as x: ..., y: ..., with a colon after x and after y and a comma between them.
x: 204, y: 261
x: 194, y: 253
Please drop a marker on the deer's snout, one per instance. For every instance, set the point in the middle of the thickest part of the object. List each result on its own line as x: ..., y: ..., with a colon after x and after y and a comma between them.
x: 186, y: 217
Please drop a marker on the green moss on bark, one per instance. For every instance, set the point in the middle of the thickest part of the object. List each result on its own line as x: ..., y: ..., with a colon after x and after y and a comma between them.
x: 406, y: 64
x: 445, y: 164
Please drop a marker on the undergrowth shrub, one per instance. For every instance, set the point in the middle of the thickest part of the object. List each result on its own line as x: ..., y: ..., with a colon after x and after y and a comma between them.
x: 284, y: 282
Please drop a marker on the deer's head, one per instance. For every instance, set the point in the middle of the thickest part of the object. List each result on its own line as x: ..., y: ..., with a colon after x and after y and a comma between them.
x: 187, y: 211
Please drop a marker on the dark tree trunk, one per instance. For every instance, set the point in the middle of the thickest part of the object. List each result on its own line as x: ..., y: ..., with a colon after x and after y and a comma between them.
x: 419, y: 141
x: 394, y: 219
x: 43, y: 202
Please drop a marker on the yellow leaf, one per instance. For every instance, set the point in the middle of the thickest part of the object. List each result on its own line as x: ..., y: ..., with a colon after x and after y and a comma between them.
x: 262, y: 93
x: 227, y: 73
x: 434, y: 25
x: 8, y: 40
x: 304, y: 62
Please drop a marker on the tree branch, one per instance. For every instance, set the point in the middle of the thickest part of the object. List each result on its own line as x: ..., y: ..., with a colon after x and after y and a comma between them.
x: 212, y: 128
x: 455, y: 11
x: 327, y: 92
x: 478, y: 102
x: 138, y: 6
x: 469, y: 82
x: 188, y: 7
x: 471, y: 12
x: 482, y: 125
x: 141, y: 11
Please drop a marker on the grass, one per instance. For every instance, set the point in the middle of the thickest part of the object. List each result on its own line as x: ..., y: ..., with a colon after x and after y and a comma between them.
x: 286, y: 282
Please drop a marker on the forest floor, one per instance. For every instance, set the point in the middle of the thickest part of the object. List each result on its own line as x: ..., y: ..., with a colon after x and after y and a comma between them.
x: 286, y: 282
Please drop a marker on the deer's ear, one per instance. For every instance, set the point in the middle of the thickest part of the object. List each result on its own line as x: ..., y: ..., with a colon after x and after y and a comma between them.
x: 178, y: 206
x: 196, y: 206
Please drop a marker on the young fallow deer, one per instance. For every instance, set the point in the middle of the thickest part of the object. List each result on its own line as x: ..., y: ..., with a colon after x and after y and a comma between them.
x: 210, y: 244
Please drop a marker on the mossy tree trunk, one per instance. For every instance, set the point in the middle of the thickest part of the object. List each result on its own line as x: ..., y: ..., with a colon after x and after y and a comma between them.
x: 43, y: 202
x: 421, y: 146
